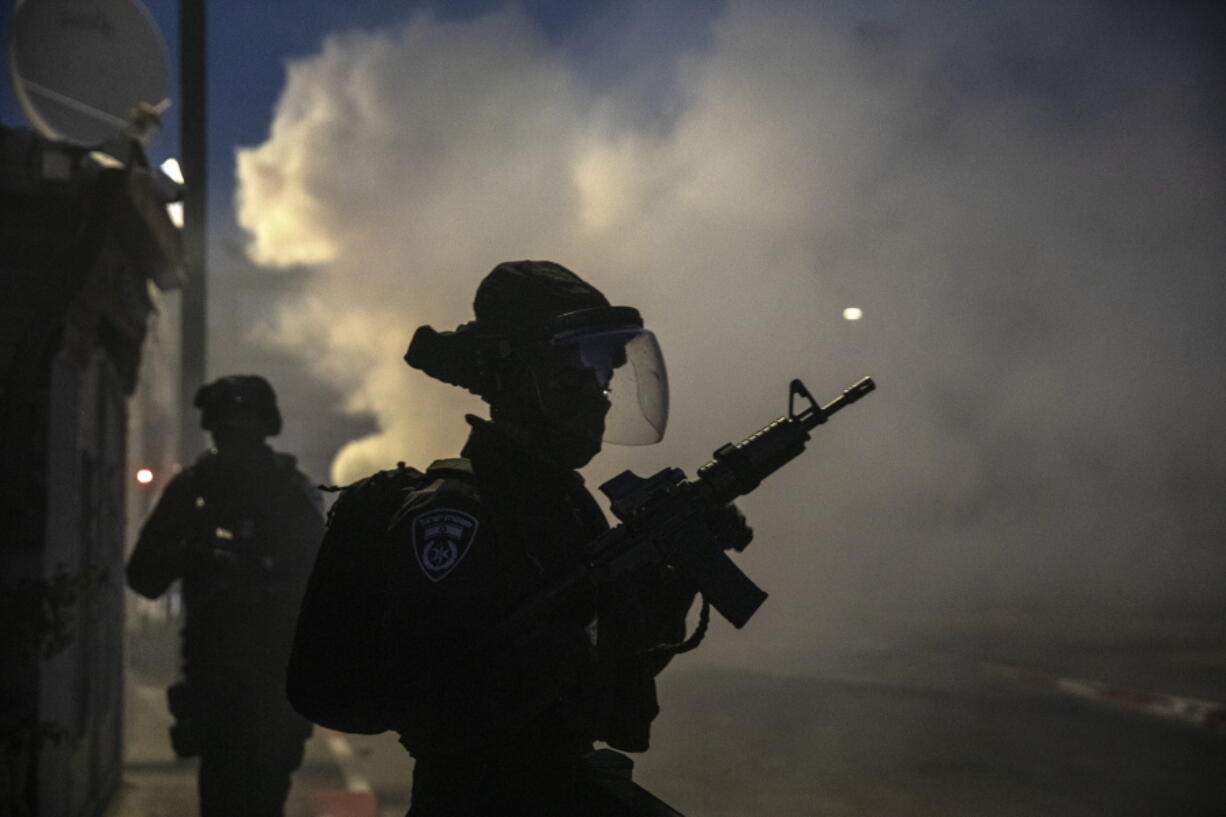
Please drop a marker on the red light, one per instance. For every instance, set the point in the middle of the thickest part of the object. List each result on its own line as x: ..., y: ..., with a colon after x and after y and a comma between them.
x: 144, y: 476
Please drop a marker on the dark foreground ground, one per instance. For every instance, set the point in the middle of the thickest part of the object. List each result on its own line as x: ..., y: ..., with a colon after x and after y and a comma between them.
x: 939, y: 743
x: 883, y: 735
x: 739, y: 744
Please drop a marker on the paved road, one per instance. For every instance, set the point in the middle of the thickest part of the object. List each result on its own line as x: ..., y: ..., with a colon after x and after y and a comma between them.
x: 919, y: 741
x: 738, y: 744
x: 878, y: 735
x: 156, y: 784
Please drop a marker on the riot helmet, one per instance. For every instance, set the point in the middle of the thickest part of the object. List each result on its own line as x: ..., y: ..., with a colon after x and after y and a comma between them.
x: 623, y: 361
x: 537, y: 322
x: 239, y: 401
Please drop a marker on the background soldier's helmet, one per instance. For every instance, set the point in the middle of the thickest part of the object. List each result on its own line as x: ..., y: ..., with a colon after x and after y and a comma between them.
x: 239, y: 400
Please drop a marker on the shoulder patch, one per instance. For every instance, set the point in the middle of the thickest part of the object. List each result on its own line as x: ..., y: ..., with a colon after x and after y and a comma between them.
x: 442, y: 538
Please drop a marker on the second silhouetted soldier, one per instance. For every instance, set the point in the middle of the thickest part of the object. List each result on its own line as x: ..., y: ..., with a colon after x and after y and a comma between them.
x: 240, y: 527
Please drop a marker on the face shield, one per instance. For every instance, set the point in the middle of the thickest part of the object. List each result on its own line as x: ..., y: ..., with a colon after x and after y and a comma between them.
x: 602, y: 375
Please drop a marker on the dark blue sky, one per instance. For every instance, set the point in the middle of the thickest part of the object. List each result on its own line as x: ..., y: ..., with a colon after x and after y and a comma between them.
x: 249, y: 42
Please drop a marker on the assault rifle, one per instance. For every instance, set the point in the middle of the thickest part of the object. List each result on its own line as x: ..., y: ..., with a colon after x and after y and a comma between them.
x: 663, y: 516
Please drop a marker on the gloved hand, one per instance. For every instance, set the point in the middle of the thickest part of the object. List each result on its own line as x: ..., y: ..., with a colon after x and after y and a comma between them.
x: 729, y: 528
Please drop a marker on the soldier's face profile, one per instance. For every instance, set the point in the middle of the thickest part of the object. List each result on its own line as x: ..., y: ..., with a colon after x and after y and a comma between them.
x: 572, y: 403
x: 231, y: 433
x: 570, y: 383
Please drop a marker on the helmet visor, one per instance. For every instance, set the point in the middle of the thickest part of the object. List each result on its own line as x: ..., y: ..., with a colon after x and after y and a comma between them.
x: 623, y: 363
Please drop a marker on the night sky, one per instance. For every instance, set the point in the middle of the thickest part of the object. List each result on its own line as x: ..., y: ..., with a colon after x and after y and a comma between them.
x: 250, y: 42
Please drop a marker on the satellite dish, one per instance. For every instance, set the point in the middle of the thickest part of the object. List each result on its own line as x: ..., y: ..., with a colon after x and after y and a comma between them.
x: 87, y: 70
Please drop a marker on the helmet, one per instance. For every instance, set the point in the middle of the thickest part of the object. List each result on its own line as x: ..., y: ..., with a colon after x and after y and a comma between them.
x: 527, y: 311
x: 244, y: 400
x: 517, y: 296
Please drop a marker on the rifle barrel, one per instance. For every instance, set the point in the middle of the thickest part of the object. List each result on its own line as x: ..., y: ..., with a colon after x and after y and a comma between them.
x: 850, y: 395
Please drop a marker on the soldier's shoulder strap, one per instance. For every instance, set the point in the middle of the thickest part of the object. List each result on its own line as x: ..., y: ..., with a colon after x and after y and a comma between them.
x: 378, y: 492
x: 446, y: 483
x: 456, y: 468
x: 450, y: 477
x: 287, y: 470
x: 286, y: 463
x: 202, y: 472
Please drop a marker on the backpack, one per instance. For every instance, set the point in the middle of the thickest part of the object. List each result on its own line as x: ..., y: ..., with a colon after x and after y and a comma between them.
x: 333, y: 675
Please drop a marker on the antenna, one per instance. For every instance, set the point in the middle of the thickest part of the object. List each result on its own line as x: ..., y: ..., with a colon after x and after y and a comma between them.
x: 85, y: 71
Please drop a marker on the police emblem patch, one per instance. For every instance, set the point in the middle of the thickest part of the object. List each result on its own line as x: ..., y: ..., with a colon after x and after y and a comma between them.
x: 441, y: 539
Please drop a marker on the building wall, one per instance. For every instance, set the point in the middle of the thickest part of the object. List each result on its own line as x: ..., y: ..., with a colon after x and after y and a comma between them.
x: 79, y: 244
x: 81, y: 688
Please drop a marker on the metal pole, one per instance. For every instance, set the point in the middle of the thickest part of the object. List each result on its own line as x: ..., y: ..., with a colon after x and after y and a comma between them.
x: 194, y: 328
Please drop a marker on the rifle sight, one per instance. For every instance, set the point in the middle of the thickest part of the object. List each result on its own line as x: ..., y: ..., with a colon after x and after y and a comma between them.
x: 735, y: 470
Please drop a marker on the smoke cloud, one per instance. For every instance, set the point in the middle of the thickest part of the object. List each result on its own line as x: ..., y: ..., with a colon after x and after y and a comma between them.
x: 1027, y: 208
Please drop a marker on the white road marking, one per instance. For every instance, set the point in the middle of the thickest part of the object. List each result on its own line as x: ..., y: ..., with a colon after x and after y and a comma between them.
x: 344, y: 756
x: 1197, y: 712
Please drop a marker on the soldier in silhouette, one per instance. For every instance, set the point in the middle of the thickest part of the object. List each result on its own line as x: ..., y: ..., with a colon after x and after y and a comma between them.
x: 417, y: 569
x: 240, y: 528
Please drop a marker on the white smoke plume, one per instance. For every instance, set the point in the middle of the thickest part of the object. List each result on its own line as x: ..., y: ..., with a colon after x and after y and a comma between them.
x: 1031, y: 225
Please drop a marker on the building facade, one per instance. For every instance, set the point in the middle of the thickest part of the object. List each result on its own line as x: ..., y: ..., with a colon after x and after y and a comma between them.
x: 85, y: 246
